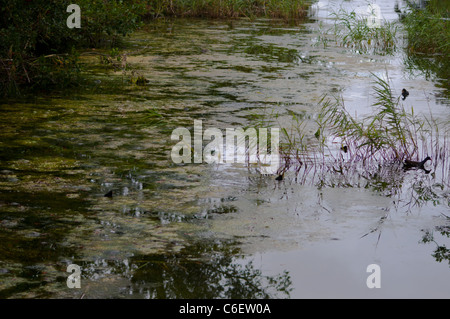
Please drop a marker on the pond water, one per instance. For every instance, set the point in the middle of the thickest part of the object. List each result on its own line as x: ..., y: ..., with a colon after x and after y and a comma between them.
x: 216, y: 230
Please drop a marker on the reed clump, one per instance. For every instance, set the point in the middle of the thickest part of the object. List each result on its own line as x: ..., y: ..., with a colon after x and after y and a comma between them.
x: 357, y: 32
x: 369, y: 151
x: 390, y: 134
x: 285, y: 9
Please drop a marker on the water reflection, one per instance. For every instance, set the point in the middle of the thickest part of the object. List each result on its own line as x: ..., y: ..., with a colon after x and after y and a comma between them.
x: 206, y: 269
x: 432, y: 68
x: 409, y: 189
x: 441, y: 252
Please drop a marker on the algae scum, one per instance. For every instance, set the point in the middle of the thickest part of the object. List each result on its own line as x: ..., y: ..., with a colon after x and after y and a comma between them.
x: 211, y: 231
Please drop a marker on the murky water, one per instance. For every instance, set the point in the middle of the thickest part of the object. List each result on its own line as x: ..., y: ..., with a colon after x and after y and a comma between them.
x: 214, y: 231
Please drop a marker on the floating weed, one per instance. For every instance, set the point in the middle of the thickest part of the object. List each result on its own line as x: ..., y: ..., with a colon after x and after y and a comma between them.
x: 270, y: 53
x: 154, y: 117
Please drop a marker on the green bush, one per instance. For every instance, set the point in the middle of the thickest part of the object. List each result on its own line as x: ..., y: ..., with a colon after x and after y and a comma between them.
x: 109, y: 20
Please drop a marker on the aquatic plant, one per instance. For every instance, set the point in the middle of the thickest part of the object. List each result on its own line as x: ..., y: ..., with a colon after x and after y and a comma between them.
x: 388, y: 133
x: 353, y: 31
x: 370, y: 150
x: 391, y: 133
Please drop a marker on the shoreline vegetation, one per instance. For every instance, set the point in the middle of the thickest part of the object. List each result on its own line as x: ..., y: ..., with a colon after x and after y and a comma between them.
x: 224, y: 9
x: 428, y: 29
x: 428, y: 41
x: 39, y: 52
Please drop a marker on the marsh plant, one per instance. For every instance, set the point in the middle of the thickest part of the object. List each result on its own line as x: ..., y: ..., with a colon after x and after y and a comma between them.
x: 283, y: 9
x: 359, y: 33
x: 369, y: 151
x: 428, y: 29
x: 390, y: 133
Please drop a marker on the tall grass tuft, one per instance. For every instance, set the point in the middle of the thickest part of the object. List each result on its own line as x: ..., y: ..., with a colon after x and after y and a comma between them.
x: 368, y: 151
x: 353, y: 31
x: 391, y: 133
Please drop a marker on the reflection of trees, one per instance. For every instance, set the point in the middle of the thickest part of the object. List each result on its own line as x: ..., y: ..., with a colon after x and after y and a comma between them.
x: 204, y: 271
x: 435, y: 68
x: 441, y: 252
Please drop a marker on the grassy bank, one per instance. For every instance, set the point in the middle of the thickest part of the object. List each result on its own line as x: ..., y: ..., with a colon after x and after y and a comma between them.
x: 286, y: 9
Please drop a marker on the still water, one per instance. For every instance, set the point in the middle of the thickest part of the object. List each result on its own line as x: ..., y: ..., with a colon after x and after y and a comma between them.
x: 216, y: 231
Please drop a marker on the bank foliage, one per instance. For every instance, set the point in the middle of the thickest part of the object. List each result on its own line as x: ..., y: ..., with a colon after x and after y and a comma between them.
x: 39, y: 51
x: 428, y: 40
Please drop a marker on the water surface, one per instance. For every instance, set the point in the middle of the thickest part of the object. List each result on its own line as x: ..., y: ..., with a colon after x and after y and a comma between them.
x: 215, y: 231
